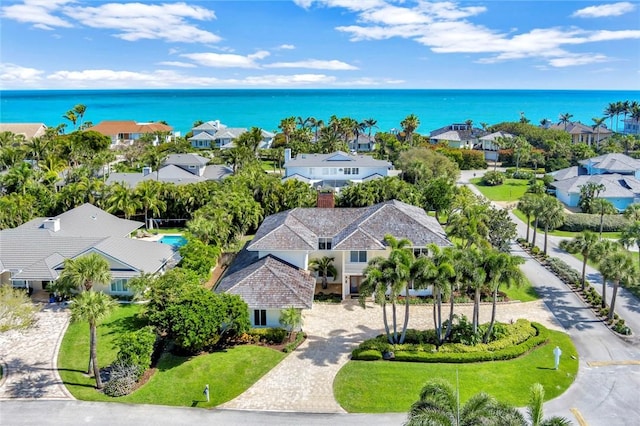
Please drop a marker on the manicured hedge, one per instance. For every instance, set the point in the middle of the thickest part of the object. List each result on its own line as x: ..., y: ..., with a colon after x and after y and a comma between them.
x: 269, y: 335
x: 524, y: 337
x: 578, y: 222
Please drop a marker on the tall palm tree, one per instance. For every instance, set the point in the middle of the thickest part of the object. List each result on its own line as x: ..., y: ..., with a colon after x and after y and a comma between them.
x: 148, y: 194
x: 534, y: 409
x: 618, y: 267
x: 631, y: 235
x: 585, y: 244
x: 552, y: 216
x: 287, y: 125
x: 439, y: 404
x: 79, y: 111
x: 370, y: 123
x: 501, y: 268
x: 325, y: 268
x: 601, y: 250
x: 92, y: 307
x: 123, y: 199
x: 632, y: 212
x: 597, y: 126
x: 399, y: 263
x: 565, y: 119
x: 420, y: 272
x: 85, y: 271
x: 528, y: 205
x: 375, y: 284
x: 611, y: 111
x: 409, y: 125
x: 602, y: 206
x: 444, y: 272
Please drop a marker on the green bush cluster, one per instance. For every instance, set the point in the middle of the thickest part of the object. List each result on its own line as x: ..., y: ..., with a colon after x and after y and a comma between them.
x: 563, y: 271
x: 296, y: 342
x: 135, y: 348
x: 578, y: 222
x: 274, y: 336
x: 366, y: 355
x: 492, y: 178
x: 523, y: 173
x: 329, y: 298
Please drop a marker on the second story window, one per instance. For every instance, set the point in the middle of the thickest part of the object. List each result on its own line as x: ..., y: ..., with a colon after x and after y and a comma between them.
x: 358, y: 257
x: 351, y: 171
x: 324, y: 243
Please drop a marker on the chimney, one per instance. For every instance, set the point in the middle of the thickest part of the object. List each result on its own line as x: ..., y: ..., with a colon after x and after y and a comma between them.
x: 287, y: 155
x: 326, y: 200
x: 53, y: 224
x: 146, y: 171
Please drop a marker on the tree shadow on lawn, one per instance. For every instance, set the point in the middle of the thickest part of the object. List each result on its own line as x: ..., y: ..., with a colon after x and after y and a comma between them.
x: 331, y: 350
x: 125, y: 324
x: 577, y: 317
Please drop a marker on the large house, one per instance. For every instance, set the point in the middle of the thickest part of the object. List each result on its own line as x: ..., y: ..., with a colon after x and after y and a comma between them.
x: 618, y: 173
x: 128, y: 131
x: 581, y: 133
x: 362, y: 143
x: 272, y: 272
x: 631, y: 126
x: 27, y: 130
x: 214, y: 134
x: 457, y: 135
x: 179, y: 169
x: 33, y: 254
x: 334, y: 170
x: 490, y: 144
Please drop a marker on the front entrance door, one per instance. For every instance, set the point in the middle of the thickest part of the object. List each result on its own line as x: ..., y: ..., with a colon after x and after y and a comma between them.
x: 354, y: 284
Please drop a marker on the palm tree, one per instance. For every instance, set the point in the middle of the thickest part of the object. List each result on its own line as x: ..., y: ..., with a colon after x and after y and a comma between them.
x: 534, y: 409
x: 632, y: 212
x: 597, y: 125
x: 92, y: 307
x: 325, y: 268
x: 444, y: 272
x: 287, y: 125
x: 123, y: 199
x: 501, y: 268
x: 439, y: 404
x: 631, y: 235
x: 148, y: 194
x: 370, y: 123
x: 409, y: 125
x: 552, y: 215
x: 528, y: 205
x: 85, y: 271
x: 611, y: 111
x: 399, y: 274
x: 585, y: 243
x: 602, y: 206
x: 617, y: 267
x: 375, y: 284
x: 79, y: 110
x: 565, y: 119
x: 420, y: 272
x: 600, y: 251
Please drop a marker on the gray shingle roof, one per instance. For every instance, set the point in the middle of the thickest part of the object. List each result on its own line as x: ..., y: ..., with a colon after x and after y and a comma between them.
x: 616, y: 186
x: 202, y: 136
x: 568, y: 173
x: 495, y: 135
x: 613, y: 163
x: 186, y: 160
x: 300, y: 228
x: 336, y: 159
x: 270, y: 283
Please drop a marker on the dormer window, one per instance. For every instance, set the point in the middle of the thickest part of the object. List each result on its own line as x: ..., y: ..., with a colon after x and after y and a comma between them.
x: 324, y: 243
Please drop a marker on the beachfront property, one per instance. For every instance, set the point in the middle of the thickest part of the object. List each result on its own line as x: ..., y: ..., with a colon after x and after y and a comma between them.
x: 334, y: 170
x: 631, y: 126
x: 489, y: 144
x: 581, y: 133
x: 127, y: 132
x: 27, y: 131
x: 618, y: 173
x: 362, y: 143
x: 179, y: 169
x: 272, y: 272
x: 32, y: 255
x: 214, y: 134
x: 457, y: 135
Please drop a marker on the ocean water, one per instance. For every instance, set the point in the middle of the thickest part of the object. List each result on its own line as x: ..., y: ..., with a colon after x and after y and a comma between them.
x: 265, y: 108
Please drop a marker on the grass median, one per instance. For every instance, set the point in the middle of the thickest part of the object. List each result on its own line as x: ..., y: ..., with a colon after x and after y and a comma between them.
x: 177, y: 380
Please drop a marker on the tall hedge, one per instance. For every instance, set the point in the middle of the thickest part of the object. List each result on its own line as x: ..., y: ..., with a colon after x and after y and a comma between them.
x: 578, y: 222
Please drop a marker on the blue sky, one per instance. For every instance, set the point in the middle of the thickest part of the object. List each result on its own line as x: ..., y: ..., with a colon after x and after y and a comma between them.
x: 517, y: 44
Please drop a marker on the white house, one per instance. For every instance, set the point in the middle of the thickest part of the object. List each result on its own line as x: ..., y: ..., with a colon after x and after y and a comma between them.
x: 456, y: 135
x: 581, y: 133
x: 214, y: 134
x: 272, y: 272
x: 33, y: 254
x: 490, y: 146
x: 334, y: 170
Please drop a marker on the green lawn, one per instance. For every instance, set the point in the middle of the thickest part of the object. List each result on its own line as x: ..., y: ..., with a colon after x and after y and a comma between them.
x: 526, y: 293
x: 177, y: 381
x: 383, y: 386
x: 510, y: 190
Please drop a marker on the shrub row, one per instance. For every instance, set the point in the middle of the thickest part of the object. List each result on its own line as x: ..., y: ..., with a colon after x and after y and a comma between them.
x: 296, y: 342
x: 511, y: 171
x: 563, y: 271
x: 268, y: 335
x: 578, y: 222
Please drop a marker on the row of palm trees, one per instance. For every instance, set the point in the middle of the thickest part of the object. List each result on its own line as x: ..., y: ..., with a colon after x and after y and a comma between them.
x: 624, y: 108
x: 545, y: 209
x: 443, y: 269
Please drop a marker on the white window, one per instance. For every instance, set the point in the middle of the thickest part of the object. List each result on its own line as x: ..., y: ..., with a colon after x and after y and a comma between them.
x: 358, y: 257
x: 259, y: 317
x: 119, y: 286
x: 312, y: 171
x: 324, y: 243
x: 351, y: 171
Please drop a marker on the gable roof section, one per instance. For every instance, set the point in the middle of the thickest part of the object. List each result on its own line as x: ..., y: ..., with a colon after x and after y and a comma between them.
x: 616, y: 185
x: 613, y: 163
x: 568, y: 173
x: 202, y: 136
x: 577, y: 128
x: 495, y: 135
x: 29, y: 130
x: 186, y: 160
x: 270, y: 283
x: 113, y: 128
x: 336, y: 159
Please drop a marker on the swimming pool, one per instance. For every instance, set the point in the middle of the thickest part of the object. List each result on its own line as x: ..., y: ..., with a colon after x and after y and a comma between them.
x: 176, y: 241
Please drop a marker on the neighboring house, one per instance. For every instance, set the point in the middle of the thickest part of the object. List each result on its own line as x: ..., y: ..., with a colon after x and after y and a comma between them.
x: 631, y: 126
x: 490, y: 147
x: 334, y: 170
x: 619, y: 173
x: 214, y: 134
x: 27, y: 130
x: 179, y: 169
x: 457, y: 135
x: 129, y: 131
x: 33, y: 254
x: 581, y: 133
x: 362, y: 143
x: 272, y: 272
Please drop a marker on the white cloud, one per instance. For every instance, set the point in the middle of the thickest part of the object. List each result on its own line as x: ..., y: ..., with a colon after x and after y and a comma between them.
x: 286, y: 47
x: 226, y: 60
x: 137, y: 21
x: 314, y: 64
x: 40, y: 13
x: 12, y: 73
x: 177, y: 64
x: 605, y: 10
x: 575, y: 60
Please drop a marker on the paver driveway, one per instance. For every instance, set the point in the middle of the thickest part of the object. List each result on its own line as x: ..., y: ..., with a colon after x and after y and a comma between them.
x: 303, y: 381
